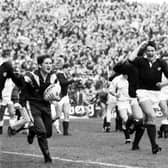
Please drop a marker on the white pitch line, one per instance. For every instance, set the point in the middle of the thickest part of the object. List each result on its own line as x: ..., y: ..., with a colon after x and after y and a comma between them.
x: 71, y: 160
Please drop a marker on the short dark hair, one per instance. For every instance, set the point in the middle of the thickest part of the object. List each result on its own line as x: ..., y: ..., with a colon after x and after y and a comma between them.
x: 66, y: 65
x: 152, y: 44
x: 6, y: 52
x: 41, y: 59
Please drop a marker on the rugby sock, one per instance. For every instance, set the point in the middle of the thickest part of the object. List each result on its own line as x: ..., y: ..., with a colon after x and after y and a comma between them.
x: 31, y: 135
x: 139, y: 128
x: 1, y: 130
x: 104, y: 122
x: 118, y: 124
x: 65, y: 125
x: 129, y: 123
x: 127, y: 136
x: 151, y: 130
x: 160, y: 132
x: 57, y: 126
x: 2, y: 111
x: 126, y: 133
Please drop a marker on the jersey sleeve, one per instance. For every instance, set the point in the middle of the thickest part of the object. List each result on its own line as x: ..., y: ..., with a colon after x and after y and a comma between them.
x: 63, y: 81
x: 113, y: 86
x: 164, y: 66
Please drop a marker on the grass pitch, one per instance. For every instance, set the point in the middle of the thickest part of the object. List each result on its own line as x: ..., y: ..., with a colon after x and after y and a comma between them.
x: 87, y: 147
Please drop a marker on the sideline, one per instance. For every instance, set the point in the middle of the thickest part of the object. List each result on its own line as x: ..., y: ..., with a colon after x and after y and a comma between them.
x: 71, y: 160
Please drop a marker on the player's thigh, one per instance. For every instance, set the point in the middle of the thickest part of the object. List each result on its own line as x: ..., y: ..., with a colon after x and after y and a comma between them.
x: 11, y: 109
x: 164, y: 107
x: 136, y: 110
x: 2, y: 111
x: 147, y: 99
x: 58, y: 109
x: 147, y: 108
x: 123, y: 112
x: 66, y: 105
x: 39, y: 125
x: 47, y: 119
x: 66, y: 110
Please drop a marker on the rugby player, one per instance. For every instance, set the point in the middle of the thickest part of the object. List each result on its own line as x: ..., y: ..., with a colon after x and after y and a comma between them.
x: 32, y: 96
x: 150, y: 69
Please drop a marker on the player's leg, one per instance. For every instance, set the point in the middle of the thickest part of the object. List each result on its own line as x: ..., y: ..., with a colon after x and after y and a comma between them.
x: 123, y: 112
x: 163, y: 104
x: 164, y: 107
x: 146, y: 104
x: 138, y: 119
x: 150, y: 124
x: 16, y: 124
x: 56, y: 114
x: 118, y: 121
x: 106, y: 124
x: 65, y: 109
x: 57, y: 125
x: 47, y: 120
x: 42, y: 133
x: 146, y: 100
x: 13, y: 118
x: 2, y: 111
x: 109, y: 106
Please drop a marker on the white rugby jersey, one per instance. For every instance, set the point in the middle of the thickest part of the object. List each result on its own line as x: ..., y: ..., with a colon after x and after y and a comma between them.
x: 119, y: 87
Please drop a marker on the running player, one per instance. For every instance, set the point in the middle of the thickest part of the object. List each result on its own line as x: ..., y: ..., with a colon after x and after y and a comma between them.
x: 150, y: 68
x: 6, y: 72
x: 119, y: 89
x: 63, y: 106
x: 32, y: 96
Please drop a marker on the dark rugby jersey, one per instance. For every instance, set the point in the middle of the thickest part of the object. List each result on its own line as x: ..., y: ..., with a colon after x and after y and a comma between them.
x: 132, y: 72
x: 6, y: 71
x: 33, y: 92
x: 150, y: 75
x: 64, y: 82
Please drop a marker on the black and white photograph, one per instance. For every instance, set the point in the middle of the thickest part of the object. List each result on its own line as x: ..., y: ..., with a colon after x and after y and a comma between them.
x: 83, y: 83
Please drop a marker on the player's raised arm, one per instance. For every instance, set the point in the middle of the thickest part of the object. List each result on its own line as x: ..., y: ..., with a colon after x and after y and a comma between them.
x: 135, y: 53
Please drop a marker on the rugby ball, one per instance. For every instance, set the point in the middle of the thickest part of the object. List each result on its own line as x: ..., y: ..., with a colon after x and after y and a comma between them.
x: 53, y: 92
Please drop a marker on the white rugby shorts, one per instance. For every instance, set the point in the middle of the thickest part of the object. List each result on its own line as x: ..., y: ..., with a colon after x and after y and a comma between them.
x: 153, y: 95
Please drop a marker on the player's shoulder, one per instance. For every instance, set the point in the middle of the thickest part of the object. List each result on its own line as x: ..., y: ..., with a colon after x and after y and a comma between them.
x: 140, y: 59
x: 117, y: 78
x: 59, y: 72
x: 7, y: 64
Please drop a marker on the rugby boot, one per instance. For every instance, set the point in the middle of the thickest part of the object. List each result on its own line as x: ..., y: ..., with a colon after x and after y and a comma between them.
x: 135, y: 147
x: 151, y: 130
x: 156, y: 149
x: 160, y: 135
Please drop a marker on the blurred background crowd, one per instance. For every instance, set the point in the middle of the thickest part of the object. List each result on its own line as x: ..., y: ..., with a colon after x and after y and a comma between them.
x: 90, y: 35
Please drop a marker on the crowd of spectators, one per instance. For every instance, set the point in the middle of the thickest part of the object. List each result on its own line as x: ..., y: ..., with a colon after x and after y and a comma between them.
x: 91, y: 35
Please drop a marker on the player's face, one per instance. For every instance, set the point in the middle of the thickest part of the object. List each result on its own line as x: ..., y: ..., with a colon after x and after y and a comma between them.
x: 150, y: 52
x: 46, y: 66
